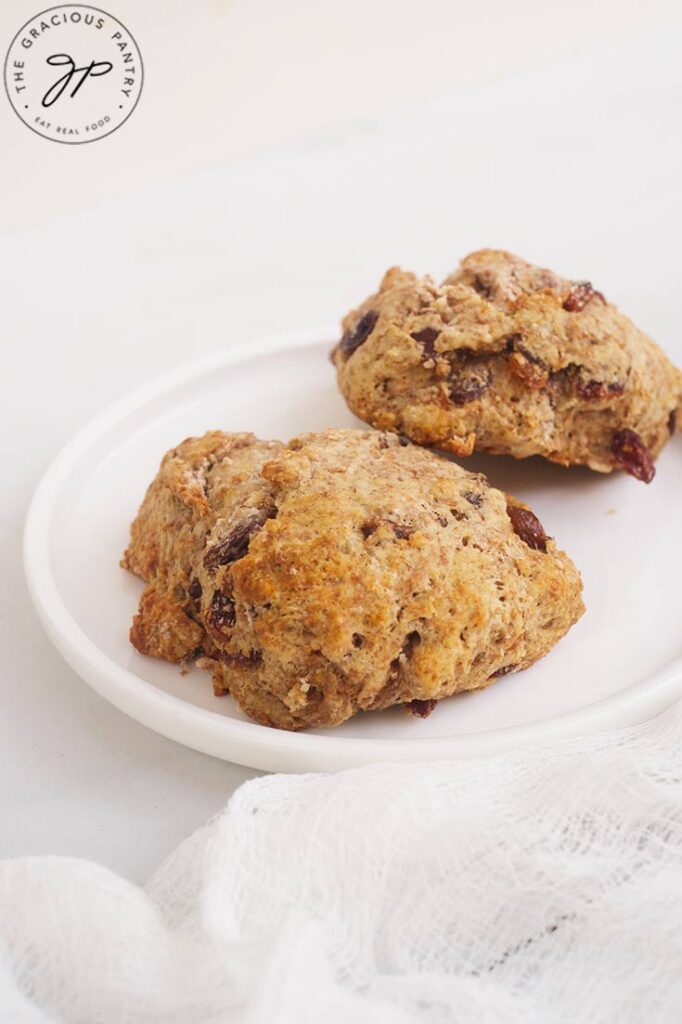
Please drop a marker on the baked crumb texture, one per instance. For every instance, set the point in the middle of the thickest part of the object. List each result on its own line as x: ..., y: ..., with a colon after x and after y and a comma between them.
x: 345, y: 571
x: 508, y: 358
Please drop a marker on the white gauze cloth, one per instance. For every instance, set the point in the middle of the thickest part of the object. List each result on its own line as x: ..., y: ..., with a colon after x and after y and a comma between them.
x: 545, y: 886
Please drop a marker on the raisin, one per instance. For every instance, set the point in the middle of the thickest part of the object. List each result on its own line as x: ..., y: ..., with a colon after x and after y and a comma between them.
x: 421, y: 708
x: 426, y: 338
x: 403, y: 441
x: 468, y: 387
x: 243, y: 660
x: 474, y: 499
x: 504, y: 671
x: 194, y: 590
x: 579, y: 295
x: 528, y: 527
x: 598, y: 390
x: 528, y: 368
x: 221, y: 615
x: 236, y: 544
x: 358, y: 640
x: 672, y: 422
x: 632, y: 455
x: 360, y: 333
x: 402, y: 530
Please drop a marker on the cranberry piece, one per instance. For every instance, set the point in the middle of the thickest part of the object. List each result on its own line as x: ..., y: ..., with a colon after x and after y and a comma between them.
x: 579, y: 295
x: 528, y: 368
x: 236, y: 544
x: 467, y: 388
x: 402, y: 530
x: 528, y: 527
x: 426, y: 338
x: 239, y: 660
x: 221, y: 615
x: 598, y: 390
x: 474, y: 499
x: 421, y: 708
x: 632, y: 455
x: 361, y: 332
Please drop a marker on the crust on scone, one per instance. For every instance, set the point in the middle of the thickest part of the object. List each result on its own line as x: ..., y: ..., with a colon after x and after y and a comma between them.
x: 345, y: 571
x: 509, y: 358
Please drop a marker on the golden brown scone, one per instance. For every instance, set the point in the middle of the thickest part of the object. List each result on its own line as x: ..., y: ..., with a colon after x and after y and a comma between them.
x: 347, y: 571
x: 508, y: 358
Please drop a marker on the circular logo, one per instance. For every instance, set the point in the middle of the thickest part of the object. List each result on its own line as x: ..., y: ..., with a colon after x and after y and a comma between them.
x: 73, y: 74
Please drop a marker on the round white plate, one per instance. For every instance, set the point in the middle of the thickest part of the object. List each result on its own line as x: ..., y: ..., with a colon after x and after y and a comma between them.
x: 622, y: 663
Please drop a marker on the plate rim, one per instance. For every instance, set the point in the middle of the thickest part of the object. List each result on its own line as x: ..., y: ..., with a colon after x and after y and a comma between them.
x: 245, y: 742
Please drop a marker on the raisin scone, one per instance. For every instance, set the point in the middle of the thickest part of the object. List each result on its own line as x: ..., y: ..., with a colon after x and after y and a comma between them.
x: 345, y: 571
x: 508, y: 358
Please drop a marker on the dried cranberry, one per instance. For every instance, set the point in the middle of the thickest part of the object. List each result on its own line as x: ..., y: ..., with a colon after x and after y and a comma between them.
x: 236, y: 544
x: 598, y: 390
x: 528, y: 368
x: 427, y: 338
x: 632, y: 455
x: 528, y: 527
x: 579, y: 295
x: 468, y: 387
x: 243, y: 660
x: 421, y: 708
x: 474, y: 499
x: 221, y: 615
x: 361, y: 332
x: 402, y: 530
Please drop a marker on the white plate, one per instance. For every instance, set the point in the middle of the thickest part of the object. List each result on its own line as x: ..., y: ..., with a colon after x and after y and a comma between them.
x: 622, y: 663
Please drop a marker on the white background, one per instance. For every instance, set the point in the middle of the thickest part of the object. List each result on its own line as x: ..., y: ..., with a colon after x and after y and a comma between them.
x: 574, y: 162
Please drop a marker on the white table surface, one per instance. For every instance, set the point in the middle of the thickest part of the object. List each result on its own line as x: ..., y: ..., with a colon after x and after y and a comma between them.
x: 227, y: 79
x: 575, y: 165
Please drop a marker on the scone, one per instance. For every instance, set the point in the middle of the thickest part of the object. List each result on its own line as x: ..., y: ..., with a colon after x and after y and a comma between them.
x: 508, y: 358
x: 345, y: 571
